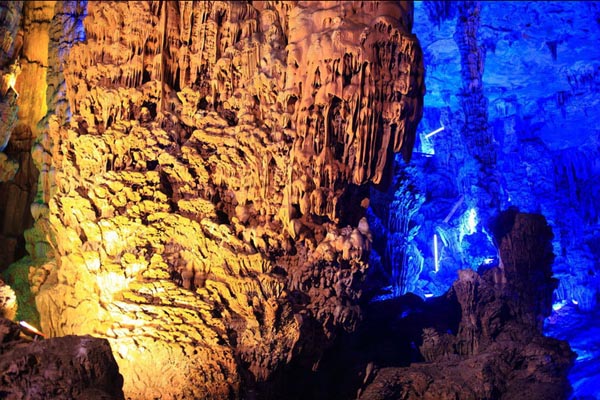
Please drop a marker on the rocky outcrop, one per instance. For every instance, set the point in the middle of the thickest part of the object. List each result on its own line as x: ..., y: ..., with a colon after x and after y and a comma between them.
x: 481, y: 340
x: 203, y: 180
x: 69, y: 367
x: 496, y: 349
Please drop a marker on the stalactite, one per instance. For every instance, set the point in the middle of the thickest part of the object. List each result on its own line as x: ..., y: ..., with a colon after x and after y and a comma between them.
x: 205, y: 172
x: 478, y: 136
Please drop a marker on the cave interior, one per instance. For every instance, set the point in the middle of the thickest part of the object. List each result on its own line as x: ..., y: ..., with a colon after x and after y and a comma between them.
x: 280, y: 199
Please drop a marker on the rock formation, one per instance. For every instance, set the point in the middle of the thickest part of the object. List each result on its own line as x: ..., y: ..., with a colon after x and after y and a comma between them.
x: 8, y: 302
x: 481, y: 340
x: 10, y: 159
x: 190, y: 180
x: 535, y: 145
x: 68, y: 367
x: 494, y: 348
x: 204, y: 171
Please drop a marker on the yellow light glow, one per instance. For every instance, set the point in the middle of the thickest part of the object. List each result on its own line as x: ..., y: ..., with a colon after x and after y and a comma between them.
x: 111, y: 283
x: 111, y: 240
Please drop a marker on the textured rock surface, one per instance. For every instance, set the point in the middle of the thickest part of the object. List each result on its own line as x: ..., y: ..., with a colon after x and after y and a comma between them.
x: 10, y: 17
x: 203, y: 178
x: 69, y: 367
x: 36, y: 36
x: 26, y: 42
x: 538, y: 71
x: 8, y: 302
x: 497, y: 350
x: 582, y: 331
x: 203, y: 171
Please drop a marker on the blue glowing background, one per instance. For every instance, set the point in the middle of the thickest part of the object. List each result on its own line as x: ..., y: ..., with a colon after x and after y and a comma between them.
x: 511, y: 118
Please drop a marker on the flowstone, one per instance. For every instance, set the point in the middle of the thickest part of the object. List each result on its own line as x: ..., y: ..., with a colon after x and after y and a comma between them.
x: 204, y: 180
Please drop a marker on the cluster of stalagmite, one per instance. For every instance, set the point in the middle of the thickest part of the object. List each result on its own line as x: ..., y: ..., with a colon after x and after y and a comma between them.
x: 202, y: 195
x: 484, y: 338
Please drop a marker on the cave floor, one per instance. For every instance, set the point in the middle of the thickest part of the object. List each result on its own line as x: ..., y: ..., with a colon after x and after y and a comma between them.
x: 582, y: 331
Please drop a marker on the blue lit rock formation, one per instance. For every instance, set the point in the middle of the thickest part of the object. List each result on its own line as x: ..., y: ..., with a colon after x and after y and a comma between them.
x: 514, y: 87
x: 483, y: 339
x: 529, y: 85
x: 581, y: 330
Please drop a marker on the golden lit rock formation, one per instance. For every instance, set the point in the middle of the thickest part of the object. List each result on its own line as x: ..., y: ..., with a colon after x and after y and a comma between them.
x: 201, y: 198
x: 8, y: 301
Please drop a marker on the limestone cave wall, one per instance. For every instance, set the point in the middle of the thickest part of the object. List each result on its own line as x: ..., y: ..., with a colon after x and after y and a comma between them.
x: 203, y: 176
